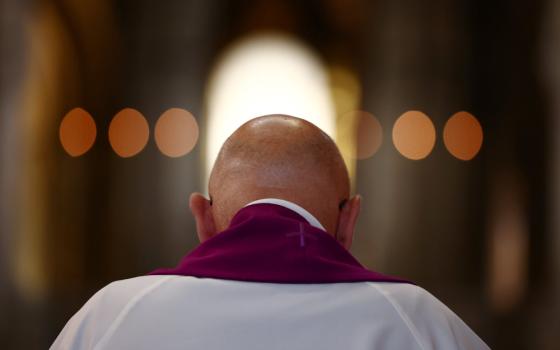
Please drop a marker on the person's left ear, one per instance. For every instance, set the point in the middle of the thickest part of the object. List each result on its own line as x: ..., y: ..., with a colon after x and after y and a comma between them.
x: 347, y: 220
x: 201, y: 209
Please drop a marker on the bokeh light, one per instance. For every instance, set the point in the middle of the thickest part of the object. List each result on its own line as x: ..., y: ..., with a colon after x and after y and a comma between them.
x: 176, y: 132
x: 462, y: 135
x: 128, y: 132
x: 77, y: 132
x: 369, y: 134
x: 414, y: 135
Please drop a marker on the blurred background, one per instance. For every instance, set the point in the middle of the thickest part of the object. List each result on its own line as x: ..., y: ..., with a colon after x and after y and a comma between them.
x: 447, y: 113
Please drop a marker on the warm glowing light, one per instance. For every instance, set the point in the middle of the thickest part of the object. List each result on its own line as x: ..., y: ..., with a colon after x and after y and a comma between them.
x: 508, y: 244
x: 414, y: 135
x: 128, y: 132
x: 462, y: 135
x: 266, y: 74
x: 369, y: 134
x: 77, y: 132
x: 176, y: 132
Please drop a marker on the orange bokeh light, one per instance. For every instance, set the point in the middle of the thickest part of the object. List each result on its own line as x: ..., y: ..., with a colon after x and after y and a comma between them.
x: 77, y: 132
x: 414, y: 135
x: 128, y: 132
x: 369, y: 134
x: 176, y: 132
x: 462, y: 135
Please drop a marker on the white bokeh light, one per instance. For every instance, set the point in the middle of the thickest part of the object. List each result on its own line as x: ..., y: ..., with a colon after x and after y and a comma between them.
x: 266, y: 74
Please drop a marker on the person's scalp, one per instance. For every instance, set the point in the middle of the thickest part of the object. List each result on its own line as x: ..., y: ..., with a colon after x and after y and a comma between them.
x: 278, y: 156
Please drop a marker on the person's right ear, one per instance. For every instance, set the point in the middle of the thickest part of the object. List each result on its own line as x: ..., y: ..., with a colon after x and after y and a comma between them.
x: 202, y: 212
x: 347, y: 220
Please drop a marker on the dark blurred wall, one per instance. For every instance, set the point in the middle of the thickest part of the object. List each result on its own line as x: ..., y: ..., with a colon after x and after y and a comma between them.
x: 71, y: 225
x: 547, y: 307
x: 424, y: 218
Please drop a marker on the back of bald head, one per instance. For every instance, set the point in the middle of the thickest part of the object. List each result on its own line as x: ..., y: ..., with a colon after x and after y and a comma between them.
x: 279, y: 156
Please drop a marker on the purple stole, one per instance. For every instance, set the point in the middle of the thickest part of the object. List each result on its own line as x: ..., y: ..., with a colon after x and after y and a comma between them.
x: 270, y: 243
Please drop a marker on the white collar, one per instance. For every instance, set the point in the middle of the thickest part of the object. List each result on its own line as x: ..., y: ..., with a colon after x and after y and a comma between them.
x: 292, y: 206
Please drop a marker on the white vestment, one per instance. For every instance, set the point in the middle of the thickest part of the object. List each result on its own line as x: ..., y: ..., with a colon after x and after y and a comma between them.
x: 184, y: 312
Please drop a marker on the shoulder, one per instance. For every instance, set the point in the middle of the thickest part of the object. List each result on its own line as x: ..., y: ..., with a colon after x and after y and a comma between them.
x: 118, y: 295
x: 104, y: 310
x: 408, y: 297
x: 432, y: 323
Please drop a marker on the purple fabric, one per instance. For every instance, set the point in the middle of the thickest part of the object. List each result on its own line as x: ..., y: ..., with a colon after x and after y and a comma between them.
x: 270, y: 243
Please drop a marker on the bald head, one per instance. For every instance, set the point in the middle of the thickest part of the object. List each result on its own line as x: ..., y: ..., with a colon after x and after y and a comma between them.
x: 282, y: 157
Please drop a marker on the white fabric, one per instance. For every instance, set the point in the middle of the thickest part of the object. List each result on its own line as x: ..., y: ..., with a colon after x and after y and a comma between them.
x: 178, y: 312
x: 312, y: 220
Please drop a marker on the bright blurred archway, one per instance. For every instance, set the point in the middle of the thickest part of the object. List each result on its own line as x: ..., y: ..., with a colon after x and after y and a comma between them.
x: 265, y: 74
